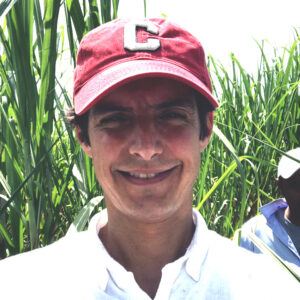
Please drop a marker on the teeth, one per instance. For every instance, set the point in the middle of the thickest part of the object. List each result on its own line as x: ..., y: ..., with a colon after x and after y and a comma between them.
x: 143, y: 175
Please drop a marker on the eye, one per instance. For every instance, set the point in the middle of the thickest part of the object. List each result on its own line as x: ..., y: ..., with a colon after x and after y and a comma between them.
x: 114, y: 120
x: 174, y: 116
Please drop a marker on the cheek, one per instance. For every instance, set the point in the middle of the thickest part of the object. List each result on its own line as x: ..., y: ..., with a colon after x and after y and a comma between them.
x: 184, y: 144
x: 106, y: 149
x: 183, y: 137
x: 106, y: 142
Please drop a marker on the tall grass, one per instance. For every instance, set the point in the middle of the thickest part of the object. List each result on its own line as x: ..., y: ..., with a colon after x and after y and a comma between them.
x: 45, y: 179
x: 258, y: 120
x: 40, y: 190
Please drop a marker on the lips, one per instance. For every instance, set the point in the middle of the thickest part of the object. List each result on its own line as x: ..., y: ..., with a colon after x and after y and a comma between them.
x: 147, y: 177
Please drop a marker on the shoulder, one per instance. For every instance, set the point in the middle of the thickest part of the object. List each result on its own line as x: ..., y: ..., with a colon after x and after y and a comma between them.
x: 263, y: 226
x: 266, y: 217
x: 58, y: 268
x: 255, y: 225
x: 51, y: 255
x: 221, y: 246
x: 231, y: 264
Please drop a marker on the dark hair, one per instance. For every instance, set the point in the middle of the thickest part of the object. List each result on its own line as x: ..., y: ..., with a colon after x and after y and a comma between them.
x: 203, y: 108
x: 80, y: 122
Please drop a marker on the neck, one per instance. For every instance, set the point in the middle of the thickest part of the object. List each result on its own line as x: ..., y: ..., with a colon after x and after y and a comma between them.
x: 144, y: 248
x: 292, y: 213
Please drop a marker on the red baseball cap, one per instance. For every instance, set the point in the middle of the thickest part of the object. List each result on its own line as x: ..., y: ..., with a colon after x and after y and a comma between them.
x: 124, y: 50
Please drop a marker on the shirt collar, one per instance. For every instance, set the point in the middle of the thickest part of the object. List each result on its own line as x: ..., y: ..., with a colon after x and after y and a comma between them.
x: 270, y: 208
x: 121, y: 276
x: 192, y: 260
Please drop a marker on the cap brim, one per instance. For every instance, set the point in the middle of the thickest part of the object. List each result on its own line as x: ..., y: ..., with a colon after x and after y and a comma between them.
x: 287, y: 166
x: 102, y: 83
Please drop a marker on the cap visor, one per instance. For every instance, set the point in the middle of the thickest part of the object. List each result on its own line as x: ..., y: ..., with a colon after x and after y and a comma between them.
x: 102, y: 83
x: 288, y: 166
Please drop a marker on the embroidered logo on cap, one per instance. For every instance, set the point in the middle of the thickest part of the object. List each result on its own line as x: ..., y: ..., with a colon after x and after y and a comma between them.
x: 130, y: 41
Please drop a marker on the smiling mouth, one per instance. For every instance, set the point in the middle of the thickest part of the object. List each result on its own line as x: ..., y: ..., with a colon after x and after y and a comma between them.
x: 146, y: 178
x: 143, y: 175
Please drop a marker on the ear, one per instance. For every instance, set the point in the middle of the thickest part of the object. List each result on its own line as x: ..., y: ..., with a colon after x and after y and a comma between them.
x: 203, y: 143
x: 209, y: 121
x: 86, y: 147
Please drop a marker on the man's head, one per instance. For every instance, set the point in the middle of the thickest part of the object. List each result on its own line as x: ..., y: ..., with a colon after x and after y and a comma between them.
x: 142, y: 98
x: 123, y: 51
x: 288, y: 174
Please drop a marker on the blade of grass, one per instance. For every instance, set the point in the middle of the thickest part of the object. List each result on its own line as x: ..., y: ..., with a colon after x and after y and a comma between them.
x: 82, y: 218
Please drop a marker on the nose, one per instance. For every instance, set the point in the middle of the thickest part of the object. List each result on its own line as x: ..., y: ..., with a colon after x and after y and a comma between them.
x: 146, y: 142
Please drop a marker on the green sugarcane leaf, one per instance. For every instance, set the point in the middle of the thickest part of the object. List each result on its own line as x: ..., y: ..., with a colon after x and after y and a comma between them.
x: 5, y: 6
x: 76, y: 14
x: 83, y: 216
x: 5, y: 235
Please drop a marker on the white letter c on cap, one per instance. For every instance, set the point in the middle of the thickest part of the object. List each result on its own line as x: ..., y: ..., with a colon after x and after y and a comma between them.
x: 130, y: 42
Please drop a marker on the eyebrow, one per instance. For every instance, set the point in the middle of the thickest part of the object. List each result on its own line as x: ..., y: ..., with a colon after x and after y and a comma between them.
x: 173, y: 103
x: 109, y: 107
x: 112, y: 107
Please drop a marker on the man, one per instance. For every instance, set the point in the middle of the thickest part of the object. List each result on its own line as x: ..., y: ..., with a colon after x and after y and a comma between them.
x: 143, y: 111
x: 278, y: 226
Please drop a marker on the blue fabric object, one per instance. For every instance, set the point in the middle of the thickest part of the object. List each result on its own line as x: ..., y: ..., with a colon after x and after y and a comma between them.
x: 268, y: 228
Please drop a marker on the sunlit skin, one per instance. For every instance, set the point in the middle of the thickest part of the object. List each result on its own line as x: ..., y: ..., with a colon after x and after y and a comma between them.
x: 290, y: 188
x: 145, y: 147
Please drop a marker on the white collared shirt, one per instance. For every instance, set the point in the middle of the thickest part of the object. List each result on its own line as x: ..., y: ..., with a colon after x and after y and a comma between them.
x: 79, y: 267
x: 121, y: 283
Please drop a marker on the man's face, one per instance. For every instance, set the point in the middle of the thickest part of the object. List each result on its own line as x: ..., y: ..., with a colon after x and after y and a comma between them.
x: 291, y: 186
x: 144, y: 142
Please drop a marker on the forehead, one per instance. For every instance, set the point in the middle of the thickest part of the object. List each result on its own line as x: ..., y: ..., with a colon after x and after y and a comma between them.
x: 149, y: 93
